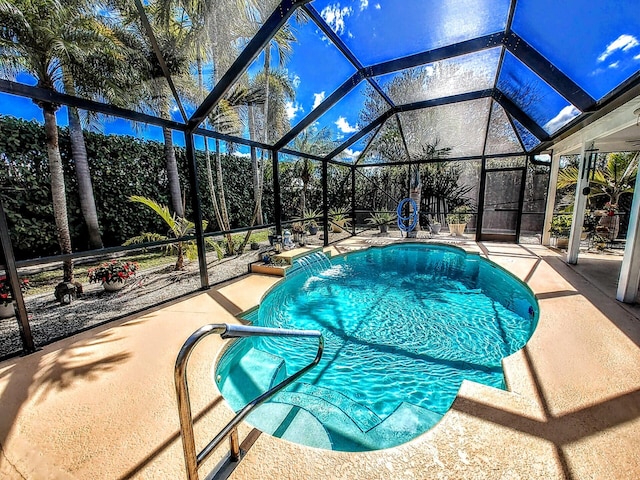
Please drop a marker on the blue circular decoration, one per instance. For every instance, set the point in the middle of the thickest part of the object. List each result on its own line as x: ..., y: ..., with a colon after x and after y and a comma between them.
x: 412, y: 219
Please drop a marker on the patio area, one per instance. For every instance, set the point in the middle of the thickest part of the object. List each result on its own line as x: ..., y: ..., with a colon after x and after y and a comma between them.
x: 101, y: 404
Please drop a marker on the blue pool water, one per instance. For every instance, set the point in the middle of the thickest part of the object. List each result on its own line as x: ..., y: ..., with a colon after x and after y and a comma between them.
x: 403, y: 326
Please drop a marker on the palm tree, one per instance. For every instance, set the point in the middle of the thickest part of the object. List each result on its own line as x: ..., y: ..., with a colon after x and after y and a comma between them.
x: 277, y: 90
x: 175, y: 35
x: 103, y: 74
x: 179, y: 227
x: 314, y: 141
x: 618, y: 176
x: 42, y: 37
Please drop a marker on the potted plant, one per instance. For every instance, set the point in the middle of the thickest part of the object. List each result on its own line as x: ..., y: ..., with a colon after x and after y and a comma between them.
x: 297, y: 229
x: 6, y: 296
x: 113, y: 275
x: 310, y: 222
x: 339, y: 219
x: 560, y: 229
x: 458, y: 220
x: 435, y: 227
x: 271, y: 235
x: 381, y: 219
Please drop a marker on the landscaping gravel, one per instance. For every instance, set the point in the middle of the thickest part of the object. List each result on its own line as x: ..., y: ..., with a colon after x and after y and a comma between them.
x: 49, y: 320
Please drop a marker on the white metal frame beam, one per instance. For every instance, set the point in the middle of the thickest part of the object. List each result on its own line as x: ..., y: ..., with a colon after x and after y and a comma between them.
x: 629, y: 280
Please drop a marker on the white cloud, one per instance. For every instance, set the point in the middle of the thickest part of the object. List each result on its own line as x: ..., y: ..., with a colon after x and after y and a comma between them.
x: 377, y: 6
x: 334, y: 16
x: 242, y: 154
x: 624, y: 42
x: 351, y: 154
x: 637, y: 57
x: 296, y: 81
x: 292, y: 109
x: 566, y: 114
x: 317, y: 99
x: 344, y: 126
x: 614, y: 64
x: 364, y: 4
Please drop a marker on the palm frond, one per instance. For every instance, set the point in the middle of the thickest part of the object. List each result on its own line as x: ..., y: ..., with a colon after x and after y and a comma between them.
x: 161, y: 210
x: 145, y: 237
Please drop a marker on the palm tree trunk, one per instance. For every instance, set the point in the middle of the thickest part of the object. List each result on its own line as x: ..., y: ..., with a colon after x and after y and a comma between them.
x: 224, y: 213
x: 212, y: 188
x: 58, y: 192
x: 255, y: 167
x: 303, y: 200
x: 83, y: 174
x: 172, y: 173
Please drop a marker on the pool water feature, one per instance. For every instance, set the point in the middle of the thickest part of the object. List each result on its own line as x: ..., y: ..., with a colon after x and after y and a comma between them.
x: 403, y: 326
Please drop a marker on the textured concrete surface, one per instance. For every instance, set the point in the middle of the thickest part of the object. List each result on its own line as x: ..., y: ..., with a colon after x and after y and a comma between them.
x: 101, y: 404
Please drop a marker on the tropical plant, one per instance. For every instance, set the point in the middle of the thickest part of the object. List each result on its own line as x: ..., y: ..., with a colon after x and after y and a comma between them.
x: 315, y: 141
x: 309, y: 217
x: 560, y: 225
x: 617, y: 176
x: 339, y: 217
x: 112, y: 271
x: 6, y: 295
x: 41, y: 44
x: 381, y: 218
x: 179, y: 227
x: 174, y: 36
x: 459, y: 215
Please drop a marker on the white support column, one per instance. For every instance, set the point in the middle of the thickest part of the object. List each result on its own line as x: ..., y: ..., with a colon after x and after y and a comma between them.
x: 551, y: 199
x: 629, y: 280
x: 579, y: 206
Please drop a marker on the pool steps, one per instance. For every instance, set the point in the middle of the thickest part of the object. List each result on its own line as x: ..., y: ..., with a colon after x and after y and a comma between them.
x: 257, y: 371
x: 330, y: 419
x: 361, y: 415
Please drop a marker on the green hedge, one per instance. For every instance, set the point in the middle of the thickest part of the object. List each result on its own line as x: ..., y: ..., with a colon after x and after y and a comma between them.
x: 120, y: 166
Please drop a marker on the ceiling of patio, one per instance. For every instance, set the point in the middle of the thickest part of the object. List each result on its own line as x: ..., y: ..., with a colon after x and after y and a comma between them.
x: 468, y: 78
x: 383, y: 81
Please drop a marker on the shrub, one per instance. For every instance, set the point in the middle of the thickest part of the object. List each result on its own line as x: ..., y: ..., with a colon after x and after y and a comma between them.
x: 459, y: 215
x: 560, y: 226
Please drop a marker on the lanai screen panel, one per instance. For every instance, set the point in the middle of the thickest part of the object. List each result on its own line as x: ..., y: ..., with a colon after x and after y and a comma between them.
x: 462, y: 74
x: 387, y: 146
x: 230, y: 26
x: 533, y: 96
x: 377, y: 31
x: 353, y: 152
x: 449, y: 131
x: 339, y: 123
x: 528, y: 139
x: 535, y: 199
x: 501, y: 137
x: 598, y: 47
x: 281, y: 86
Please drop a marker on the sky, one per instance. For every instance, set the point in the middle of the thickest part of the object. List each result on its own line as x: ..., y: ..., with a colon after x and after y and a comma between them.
x: 594, y: 42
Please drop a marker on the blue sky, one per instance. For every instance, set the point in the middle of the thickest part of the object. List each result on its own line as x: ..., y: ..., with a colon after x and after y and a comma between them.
x: 596, y: 43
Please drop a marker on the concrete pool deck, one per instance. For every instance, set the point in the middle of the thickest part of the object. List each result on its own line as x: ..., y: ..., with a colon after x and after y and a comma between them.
x: 101, y: 404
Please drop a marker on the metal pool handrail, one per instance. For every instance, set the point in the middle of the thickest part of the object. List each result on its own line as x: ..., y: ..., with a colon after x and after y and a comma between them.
x: 193, y: 460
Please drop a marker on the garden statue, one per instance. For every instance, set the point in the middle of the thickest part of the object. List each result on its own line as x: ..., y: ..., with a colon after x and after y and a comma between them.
x: 287, y: 242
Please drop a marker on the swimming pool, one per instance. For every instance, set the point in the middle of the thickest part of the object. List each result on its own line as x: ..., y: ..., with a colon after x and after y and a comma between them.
x: 403, y: 326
